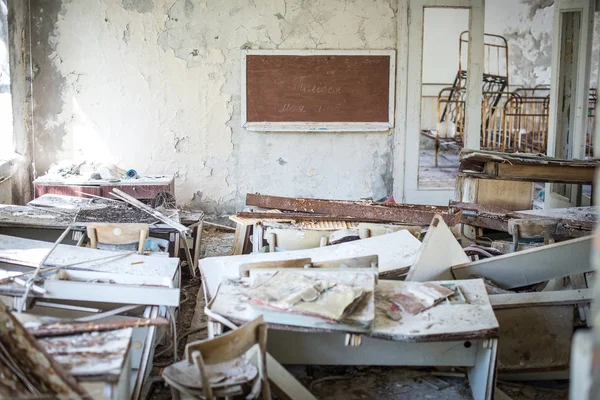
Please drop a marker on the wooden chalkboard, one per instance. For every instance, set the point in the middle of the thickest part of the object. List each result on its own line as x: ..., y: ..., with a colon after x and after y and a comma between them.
x: 318, y: 90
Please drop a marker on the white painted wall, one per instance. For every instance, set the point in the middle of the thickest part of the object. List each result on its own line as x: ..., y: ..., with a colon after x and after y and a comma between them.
x: 154, y: 85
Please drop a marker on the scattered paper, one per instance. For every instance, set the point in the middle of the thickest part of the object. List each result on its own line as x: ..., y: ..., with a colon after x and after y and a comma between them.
x: 299, y: 293
x: 417, y: 297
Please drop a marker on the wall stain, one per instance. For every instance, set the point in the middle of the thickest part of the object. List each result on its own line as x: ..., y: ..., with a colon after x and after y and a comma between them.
x: 141, y: 6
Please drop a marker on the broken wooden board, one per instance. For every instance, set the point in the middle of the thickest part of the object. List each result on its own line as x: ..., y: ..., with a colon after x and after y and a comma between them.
x: 29, y: 253
x: 433, y: 263
x: 98, y: 354
x: 532, y: 266
x: 534, y: 338
x: 572, y: 222
x: 526, y: 167
x: 27, y: 370
x: 361, y: 210
x: 396, y: 251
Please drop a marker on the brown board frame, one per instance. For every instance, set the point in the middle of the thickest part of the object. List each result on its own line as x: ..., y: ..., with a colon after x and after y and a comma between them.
x: 315, y: 126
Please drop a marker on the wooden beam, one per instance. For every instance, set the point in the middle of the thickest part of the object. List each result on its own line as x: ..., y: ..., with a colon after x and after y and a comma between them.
x: 553, y: 298
x: 531, y: 266
x: 361, y: 211
x: 540, y: 173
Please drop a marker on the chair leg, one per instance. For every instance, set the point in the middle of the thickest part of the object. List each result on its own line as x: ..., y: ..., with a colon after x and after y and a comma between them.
x: 142, y: 243
x: 262, y: 362
x: 199, y: 362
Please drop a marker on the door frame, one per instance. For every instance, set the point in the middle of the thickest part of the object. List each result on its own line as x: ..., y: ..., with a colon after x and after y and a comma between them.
x: 408, y: 94
x: 586, y: 8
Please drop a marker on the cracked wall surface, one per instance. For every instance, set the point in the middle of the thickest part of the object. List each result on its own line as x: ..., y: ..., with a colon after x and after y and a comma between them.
x: 527, y: 25
x: 154, y: 85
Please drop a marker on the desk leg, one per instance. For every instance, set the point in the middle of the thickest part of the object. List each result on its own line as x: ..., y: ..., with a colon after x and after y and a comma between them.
x: 257, y: 237
x: 241, y: 240
x: 482, y: 376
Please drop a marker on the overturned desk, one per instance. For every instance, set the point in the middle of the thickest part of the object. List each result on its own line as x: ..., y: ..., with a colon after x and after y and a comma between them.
x: 47, y: 223
x: 448, y: 334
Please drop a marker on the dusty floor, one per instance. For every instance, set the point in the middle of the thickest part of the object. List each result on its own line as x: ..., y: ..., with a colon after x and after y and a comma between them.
x: 342, y: 383
x: 444, y: 174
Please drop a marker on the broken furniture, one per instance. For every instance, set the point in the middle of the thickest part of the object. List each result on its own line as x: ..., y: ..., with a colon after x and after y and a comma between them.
x: 432, y: 264
x: 494, y: 180
x: 46, y: 222
x: 527, y: 267
x: 526, y: 167
x: 146, y: 286
x: 449, y: 334
x: 99, y: 361
x: 396, y: 253
x: 143, y: 188
x: 27, y: 370
x: 571, y: 222
x: 339, y: 299
x: 118, y: 234
x: 217, y: 367
x: 297, y: 223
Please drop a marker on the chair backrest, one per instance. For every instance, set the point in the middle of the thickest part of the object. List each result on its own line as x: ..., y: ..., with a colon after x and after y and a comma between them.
x: 354, y: 262
x: 229, y: 346
x: 118, y: 234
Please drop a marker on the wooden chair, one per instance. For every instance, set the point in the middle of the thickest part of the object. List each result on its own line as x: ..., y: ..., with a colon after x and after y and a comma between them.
x: 215, y: 367
x: 118, y: 234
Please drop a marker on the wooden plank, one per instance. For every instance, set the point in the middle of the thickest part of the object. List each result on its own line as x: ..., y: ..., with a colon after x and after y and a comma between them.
x: 241, y: 237
x: 385, y: 212
x: 533, y: 265
x: 540, y: 173
x: 535, y: 299
x: 509, y: 195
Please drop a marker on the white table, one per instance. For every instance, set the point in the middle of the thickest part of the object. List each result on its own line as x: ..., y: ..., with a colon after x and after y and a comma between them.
x: 462, y: 335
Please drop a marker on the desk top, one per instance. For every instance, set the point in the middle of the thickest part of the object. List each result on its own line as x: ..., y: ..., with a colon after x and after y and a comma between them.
x: 45, y: 217
x: 93, y: 356
x: 443, y: 322
x: 29, y: 253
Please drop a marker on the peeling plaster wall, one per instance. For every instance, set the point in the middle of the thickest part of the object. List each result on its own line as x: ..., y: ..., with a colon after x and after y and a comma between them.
x: 527, y: 25
x: 20, y: 89
x: 154, y: 85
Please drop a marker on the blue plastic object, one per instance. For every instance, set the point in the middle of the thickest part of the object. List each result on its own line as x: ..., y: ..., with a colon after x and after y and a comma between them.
x: 131, y: 174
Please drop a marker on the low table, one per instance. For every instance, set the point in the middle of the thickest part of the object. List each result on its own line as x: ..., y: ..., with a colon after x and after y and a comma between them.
x: 463, y: 335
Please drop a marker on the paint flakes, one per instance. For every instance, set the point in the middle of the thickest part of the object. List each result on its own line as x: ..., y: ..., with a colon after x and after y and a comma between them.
x: 141, y: 6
